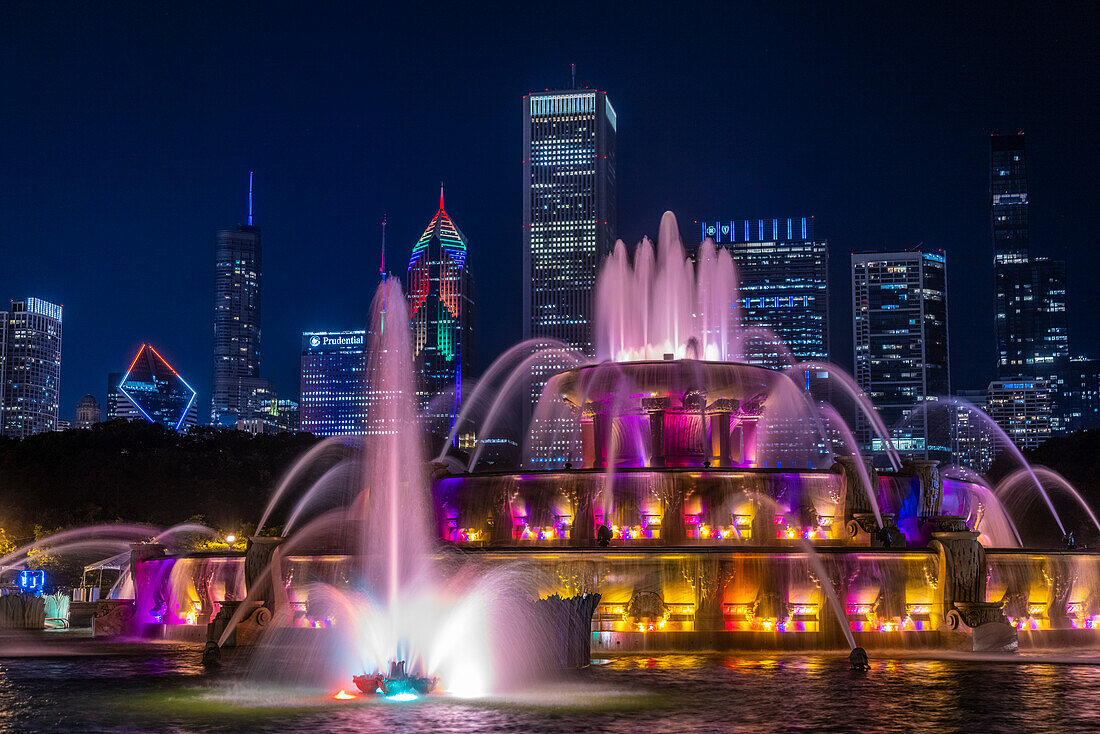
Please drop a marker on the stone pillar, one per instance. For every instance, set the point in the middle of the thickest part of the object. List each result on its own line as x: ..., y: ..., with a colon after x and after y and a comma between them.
x: 720, y: 415
x: 581, y: 495
x: 930, y: 486
x: 961, y: 591
x: 656, y: 409
x: 259, y: 554
x: 149, y: 588
x: 859, y: 513
x: 708, y: 578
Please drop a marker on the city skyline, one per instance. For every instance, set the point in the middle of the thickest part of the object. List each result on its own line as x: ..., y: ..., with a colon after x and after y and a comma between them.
x: 179, y: 197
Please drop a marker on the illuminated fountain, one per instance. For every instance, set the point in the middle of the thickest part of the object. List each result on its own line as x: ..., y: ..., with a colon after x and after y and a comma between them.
x: 693, y: 491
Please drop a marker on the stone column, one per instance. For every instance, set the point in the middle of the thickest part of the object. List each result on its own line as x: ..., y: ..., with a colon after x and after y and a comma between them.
x: 720, y: 415
x: 149, y: 591
x: 656, y: 409
x: 859, y: 513
x: 961, y: 591
x: 930, y: 486
x: 708, y: 578
x: 259, y: 554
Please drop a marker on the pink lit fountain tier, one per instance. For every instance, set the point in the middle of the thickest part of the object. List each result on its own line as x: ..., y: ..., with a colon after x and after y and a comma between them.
x: 678, y: 452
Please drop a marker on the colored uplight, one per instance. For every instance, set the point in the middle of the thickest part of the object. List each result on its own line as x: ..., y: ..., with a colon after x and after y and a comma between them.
x: 343, y: 696
x: 154, y: 389
x: 32, y: 581
x: 403, y: 697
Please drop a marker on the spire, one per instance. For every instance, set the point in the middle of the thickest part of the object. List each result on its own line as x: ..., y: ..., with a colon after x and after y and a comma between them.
x: 440, y: 194
x: 250, y: 198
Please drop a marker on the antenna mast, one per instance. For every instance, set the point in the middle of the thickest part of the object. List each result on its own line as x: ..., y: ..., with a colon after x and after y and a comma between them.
x: 250, y: 198
x: 573, y: 74
x: 382, y: 271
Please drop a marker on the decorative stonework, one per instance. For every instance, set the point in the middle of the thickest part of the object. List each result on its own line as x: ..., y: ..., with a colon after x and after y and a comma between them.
x: 113, y: 618
x: 856, y: 478
x: 930, y: 485
x: 708, y: 578
x: 258, y: 556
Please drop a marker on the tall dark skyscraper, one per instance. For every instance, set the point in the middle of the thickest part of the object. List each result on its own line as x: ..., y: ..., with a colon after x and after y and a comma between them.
x: 901, y: 349
x: 570, y: 217
x: 1029, y: 292
x: 782, y: 276
x: 570, y: 210
x: 30, y: 367
x: 237, y: 279
x: 1008, y: 188
x: 441, y: 315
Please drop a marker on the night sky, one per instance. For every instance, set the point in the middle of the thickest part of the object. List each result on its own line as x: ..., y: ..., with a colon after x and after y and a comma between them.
x: 128, y: 131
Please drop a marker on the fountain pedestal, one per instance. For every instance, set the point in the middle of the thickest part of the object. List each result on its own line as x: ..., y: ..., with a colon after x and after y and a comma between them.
x: 961, y: 591
x: 260, y: 554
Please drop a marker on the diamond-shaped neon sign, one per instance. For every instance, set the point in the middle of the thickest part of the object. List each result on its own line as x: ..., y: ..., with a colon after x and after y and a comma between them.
x: 156, y: 389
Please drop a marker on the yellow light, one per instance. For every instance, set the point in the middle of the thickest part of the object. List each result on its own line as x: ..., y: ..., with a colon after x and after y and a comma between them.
x: 231, y: 539
x: 343, y: 696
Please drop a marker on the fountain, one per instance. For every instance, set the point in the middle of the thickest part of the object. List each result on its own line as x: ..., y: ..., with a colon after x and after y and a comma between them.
x: 693, y: 498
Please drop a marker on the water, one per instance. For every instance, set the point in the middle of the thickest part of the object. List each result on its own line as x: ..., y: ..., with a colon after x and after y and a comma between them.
x: 161, y: 687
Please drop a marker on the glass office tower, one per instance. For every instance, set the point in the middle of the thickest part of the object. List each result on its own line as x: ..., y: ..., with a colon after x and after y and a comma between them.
x: 30, y: 367
x: 901, y: 353
x: 441, y: 316
x: 570, y: 211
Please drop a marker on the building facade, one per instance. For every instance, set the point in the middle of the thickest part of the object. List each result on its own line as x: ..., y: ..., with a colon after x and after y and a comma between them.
x: 155, y: 392
x: 334, y: 397
x: 1029, y: 292
x: 570, y: 217
x: 782, y: 275
x: 88, y: 412
x: 238, y: 277
x: 30, y: 367
x: 901, y: 342
x: 441, y: 303
x: 1022, y: 408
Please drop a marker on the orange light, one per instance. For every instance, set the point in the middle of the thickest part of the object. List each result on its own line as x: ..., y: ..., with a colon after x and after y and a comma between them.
x: 343, y: 696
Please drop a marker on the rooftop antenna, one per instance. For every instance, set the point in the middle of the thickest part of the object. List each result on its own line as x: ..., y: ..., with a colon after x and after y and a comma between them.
x: 573, y: 73
x: 382, y: 271
x: 250, y: 198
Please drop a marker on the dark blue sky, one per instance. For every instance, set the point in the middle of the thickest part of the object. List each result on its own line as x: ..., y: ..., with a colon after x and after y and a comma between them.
x: 129, y: 129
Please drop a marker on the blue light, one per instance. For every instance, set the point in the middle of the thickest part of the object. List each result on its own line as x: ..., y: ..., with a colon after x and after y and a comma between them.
x: 32, y: 581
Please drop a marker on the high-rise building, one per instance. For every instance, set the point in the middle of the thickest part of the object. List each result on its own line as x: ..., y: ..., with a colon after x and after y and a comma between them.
x: 155, y: 391
x: 1084, y: 387
x: 115, y: 398
x: 901, y: 353
x: 782, y: 275
x: 570, y: 210
x: 238, y: 274
x: 1008, y: 203
x: 441, y: 304
x: 570, y: 216
x: 30, y: 367
x: 1029, y: 292
x: 88, y: 412
x: 1022, y: 408
x: 334, y: 398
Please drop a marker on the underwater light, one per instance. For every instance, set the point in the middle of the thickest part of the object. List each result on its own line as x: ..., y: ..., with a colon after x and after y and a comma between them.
x: 343, y: 696
x: 405, y: 696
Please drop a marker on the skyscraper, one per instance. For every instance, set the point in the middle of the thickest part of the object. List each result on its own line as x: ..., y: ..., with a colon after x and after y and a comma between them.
x: 237, y: 280
x: 782, y: 275
x: 334, y: 395
x: 1009, y: 204
x: 570, y: 210
x: 1022, y: 408
x: 901, y: 355
x: 570, y: 216
x: 30, y: 367
x: 441, y: 316
x: 156, y: 392
x: 1029, y: 292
